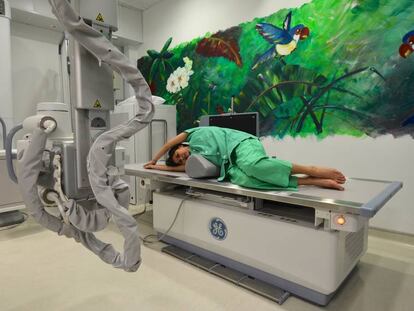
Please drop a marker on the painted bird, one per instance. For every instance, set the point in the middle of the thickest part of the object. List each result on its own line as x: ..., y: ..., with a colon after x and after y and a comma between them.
x: 408, y: 44
x: 283, y: 40
x: 408, y: 121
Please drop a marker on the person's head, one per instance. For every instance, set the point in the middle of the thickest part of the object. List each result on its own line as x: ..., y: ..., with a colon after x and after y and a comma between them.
x: 178, y: 155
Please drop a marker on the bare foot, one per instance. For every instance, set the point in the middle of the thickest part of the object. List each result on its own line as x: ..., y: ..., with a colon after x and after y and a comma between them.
x: 321, y: 182
x: 328, y: 173
x: 329, y: 183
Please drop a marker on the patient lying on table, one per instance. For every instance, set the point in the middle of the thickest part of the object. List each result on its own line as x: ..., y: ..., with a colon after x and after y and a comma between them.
x: 242, y: 160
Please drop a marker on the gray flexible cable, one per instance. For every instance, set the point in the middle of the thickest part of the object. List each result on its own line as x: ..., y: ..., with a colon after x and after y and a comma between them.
x: 9, y: 155
x: 99, y: 158
x: 31, y: 164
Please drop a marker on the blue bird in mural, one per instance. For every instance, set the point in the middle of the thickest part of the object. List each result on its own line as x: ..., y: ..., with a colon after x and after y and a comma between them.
x: 408, y: 121
x: 407, y: 47
x: 283, y: 40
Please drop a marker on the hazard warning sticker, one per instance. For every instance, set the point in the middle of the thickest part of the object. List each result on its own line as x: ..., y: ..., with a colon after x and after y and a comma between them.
x: 97, y: 104
x: 100, y: 18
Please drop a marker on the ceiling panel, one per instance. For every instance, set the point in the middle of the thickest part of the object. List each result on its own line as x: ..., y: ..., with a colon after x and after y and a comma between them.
x: 139, y: 4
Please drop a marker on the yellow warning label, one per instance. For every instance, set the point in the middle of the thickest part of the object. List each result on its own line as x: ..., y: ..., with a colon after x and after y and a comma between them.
x: 100, y: 18
x: 97, y: 104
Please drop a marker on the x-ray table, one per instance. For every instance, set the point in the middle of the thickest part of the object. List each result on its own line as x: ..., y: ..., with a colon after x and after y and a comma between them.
x: 305, y: 242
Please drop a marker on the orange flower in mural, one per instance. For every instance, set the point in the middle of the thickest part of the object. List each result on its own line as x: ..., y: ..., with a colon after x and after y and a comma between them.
x: 407, y: 48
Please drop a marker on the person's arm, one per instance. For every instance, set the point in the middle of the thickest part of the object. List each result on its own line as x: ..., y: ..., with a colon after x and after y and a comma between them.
x: 180, y: 168
x: 172, y: 142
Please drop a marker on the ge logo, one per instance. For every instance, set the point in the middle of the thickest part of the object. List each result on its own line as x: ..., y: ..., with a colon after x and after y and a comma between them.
x: 218, y: 229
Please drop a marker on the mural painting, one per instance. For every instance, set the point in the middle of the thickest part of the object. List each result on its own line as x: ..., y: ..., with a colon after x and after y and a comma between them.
x: 327, y: 68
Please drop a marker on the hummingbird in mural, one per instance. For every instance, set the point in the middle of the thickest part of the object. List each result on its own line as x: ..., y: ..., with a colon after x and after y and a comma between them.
x: 408, y: 121
x: 283, y: 40
x: 407, y: 47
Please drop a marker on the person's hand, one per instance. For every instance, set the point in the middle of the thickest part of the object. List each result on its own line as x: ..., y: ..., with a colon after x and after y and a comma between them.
x: 150, y: 164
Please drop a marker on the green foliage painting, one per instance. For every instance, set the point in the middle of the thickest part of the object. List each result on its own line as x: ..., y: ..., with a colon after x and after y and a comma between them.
x: 327, y: 68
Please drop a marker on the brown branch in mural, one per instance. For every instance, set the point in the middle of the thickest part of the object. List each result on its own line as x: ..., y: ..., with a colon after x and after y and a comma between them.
x: 214, y: 47
x: 222, y: 44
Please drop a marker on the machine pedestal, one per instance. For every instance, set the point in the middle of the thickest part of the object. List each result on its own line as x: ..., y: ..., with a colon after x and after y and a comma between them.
x: 288, y: 253
x: 246, y: 281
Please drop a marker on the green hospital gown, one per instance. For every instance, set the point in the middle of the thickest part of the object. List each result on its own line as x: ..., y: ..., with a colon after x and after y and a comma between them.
x: 241, y: 158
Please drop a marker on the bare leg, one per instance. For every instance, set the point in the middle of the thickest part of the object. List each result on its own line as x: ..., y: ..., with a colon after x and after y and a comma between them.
x: 321, y: 182
x: 319, y: 172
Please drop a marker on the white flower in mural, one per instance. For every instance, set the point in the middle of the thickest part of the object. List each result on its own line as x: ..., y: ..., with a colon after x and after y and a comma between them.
x: 179, y: 79
x: 173, y: 86
x: 183, y: 76
x: 188, y: 63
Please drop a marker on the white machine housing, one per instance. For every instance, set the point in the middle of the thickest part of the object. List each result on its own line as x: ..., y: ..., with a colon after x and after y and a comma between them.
x: 271, y: 243
x: 60, y: 113
x: 57, y: 111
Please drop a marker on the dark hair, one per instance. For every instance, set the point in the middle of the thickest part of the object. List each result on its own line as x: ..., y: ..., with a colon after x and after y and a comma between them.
x: 169, y: 161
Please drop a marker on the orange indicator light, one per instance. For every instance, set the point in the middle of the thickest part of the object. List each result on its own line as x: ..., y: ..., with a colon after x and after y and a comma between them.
x: 340, y: 220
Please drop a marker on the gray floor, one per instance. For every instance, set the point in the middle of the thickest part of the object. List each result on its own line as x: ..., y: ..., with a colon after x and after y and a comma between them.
x: 41, y: 271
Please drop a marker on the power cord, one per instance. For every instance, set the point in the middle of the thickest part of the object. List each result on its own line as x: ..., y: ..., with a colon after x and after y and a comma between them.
x: 146, y: 238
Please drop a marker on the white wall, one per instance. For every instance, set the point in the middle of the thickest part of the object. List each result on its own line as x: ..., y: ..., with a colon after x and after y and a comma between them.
x: 186, y: 19
x: 382, y: 158
x: 35, y: 68
x: 6, y: 106
x: 130, y: 25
